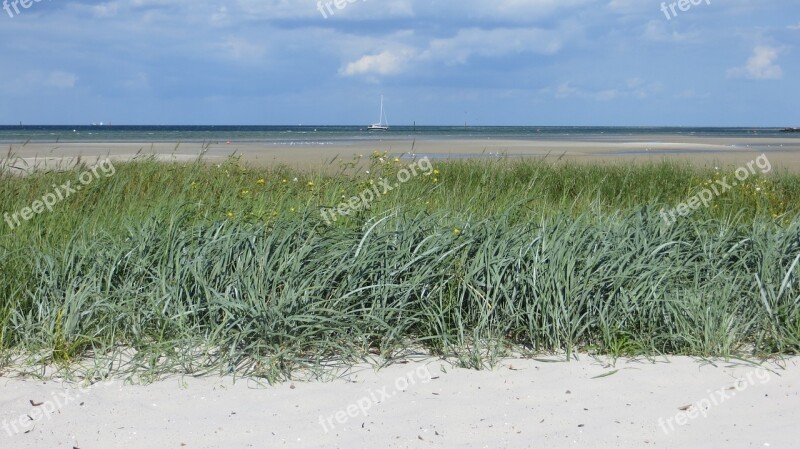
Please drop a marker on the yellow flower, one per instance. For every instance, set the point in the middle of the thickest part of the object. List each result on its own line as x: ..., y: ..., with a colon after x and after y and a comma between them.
x: 194, y: 185
x: 311, y: 183
x: 456, y: 231
x: 293, y: 209
x: 261, y: 181
x: 435, y: 180
x: 397, y: 159
x: 245, y: 192
x: 285, y: 181
x: 436, y: 172
x: 230, y: 214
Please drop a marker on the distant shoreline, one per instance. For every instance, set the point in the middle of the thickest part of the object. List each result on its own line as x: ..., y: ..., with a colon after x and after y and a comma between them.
x: 327, y: 135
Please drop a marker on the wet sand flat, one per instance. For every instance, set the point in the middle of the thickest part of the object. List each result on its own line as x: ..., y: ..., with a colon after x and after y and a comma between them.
x: 782, y: 152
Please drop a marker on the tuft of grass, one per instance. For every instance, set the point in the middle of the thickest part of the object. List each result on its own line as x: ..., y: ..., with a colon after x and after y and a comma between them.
x: 197, y: 268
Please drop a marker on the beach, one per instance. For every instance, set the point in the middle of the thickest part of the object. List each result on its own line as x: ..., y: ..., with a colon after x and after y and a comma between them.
x: 420, y: 401
x: 697, y: 150
x: 521, y: 403
x: 404, y: 224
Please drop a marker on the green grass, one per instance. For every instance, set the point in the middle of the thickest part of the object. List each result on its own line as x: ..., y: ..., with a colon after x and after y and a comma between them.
x: 198, y: 268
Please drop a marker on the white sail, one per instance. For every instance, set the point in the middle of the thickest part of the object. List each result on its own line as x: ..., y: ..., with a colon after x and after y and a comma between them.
x: 383, y: 122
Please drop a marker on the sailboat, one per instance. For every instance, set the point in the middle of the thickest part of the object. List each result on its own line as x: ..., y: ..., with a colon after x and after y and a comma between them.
x: 381, y: 125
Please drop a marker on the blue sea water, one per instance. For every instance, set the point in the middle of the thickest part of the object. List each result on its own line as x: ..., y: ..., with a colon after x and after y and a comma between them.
x: 338, y: 134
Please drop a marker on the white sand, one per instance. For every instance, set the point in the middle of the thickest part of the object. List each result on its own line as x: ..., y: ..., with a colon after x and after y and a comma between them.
x: 521, y: 404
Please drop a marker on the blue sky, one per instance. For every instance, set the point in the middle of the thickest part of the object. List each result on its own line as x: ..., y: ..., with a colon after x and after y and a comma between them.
x: 438, y: 62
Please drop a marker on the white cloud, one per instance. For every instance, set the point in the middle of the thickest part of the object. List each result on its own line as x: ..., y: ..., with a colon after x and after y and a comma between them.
x: 276, y: 9
x: 634, y: 88
x: 459, y: 49
x: 220, y: 16
x: 656, y: 30
x: 384, y: 63
x: 517, y: 11
x: 61, y: 80
x: 760, y: 66
x: 639, y: 89
x: 606, y: 95
x: 794, y: 27
x: 508, y: 11
x: 242, y: 49
x: 564, y: 90
x: 293, y: 9
x: 628, y: 6
x: 105, y: 10
x: 492, y: 43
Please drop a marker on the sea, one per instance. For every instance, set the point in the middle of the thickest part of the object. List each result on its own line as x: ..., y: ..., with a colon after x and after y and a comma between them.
x: 332, y: 135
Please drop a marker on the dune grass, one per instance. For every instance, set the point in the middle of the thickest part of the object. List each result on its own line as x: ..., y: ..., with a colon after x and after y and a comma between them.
x: 199, y: 268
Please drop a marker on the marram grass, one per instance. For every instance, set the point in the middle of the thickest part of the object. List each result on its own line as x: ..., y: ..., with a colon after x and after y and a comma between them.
x: 194, y: 268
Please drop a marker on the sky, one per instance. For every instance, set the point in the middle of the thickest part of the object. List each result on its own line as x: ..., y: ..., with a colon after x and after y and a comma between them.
x: 436, y: 62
